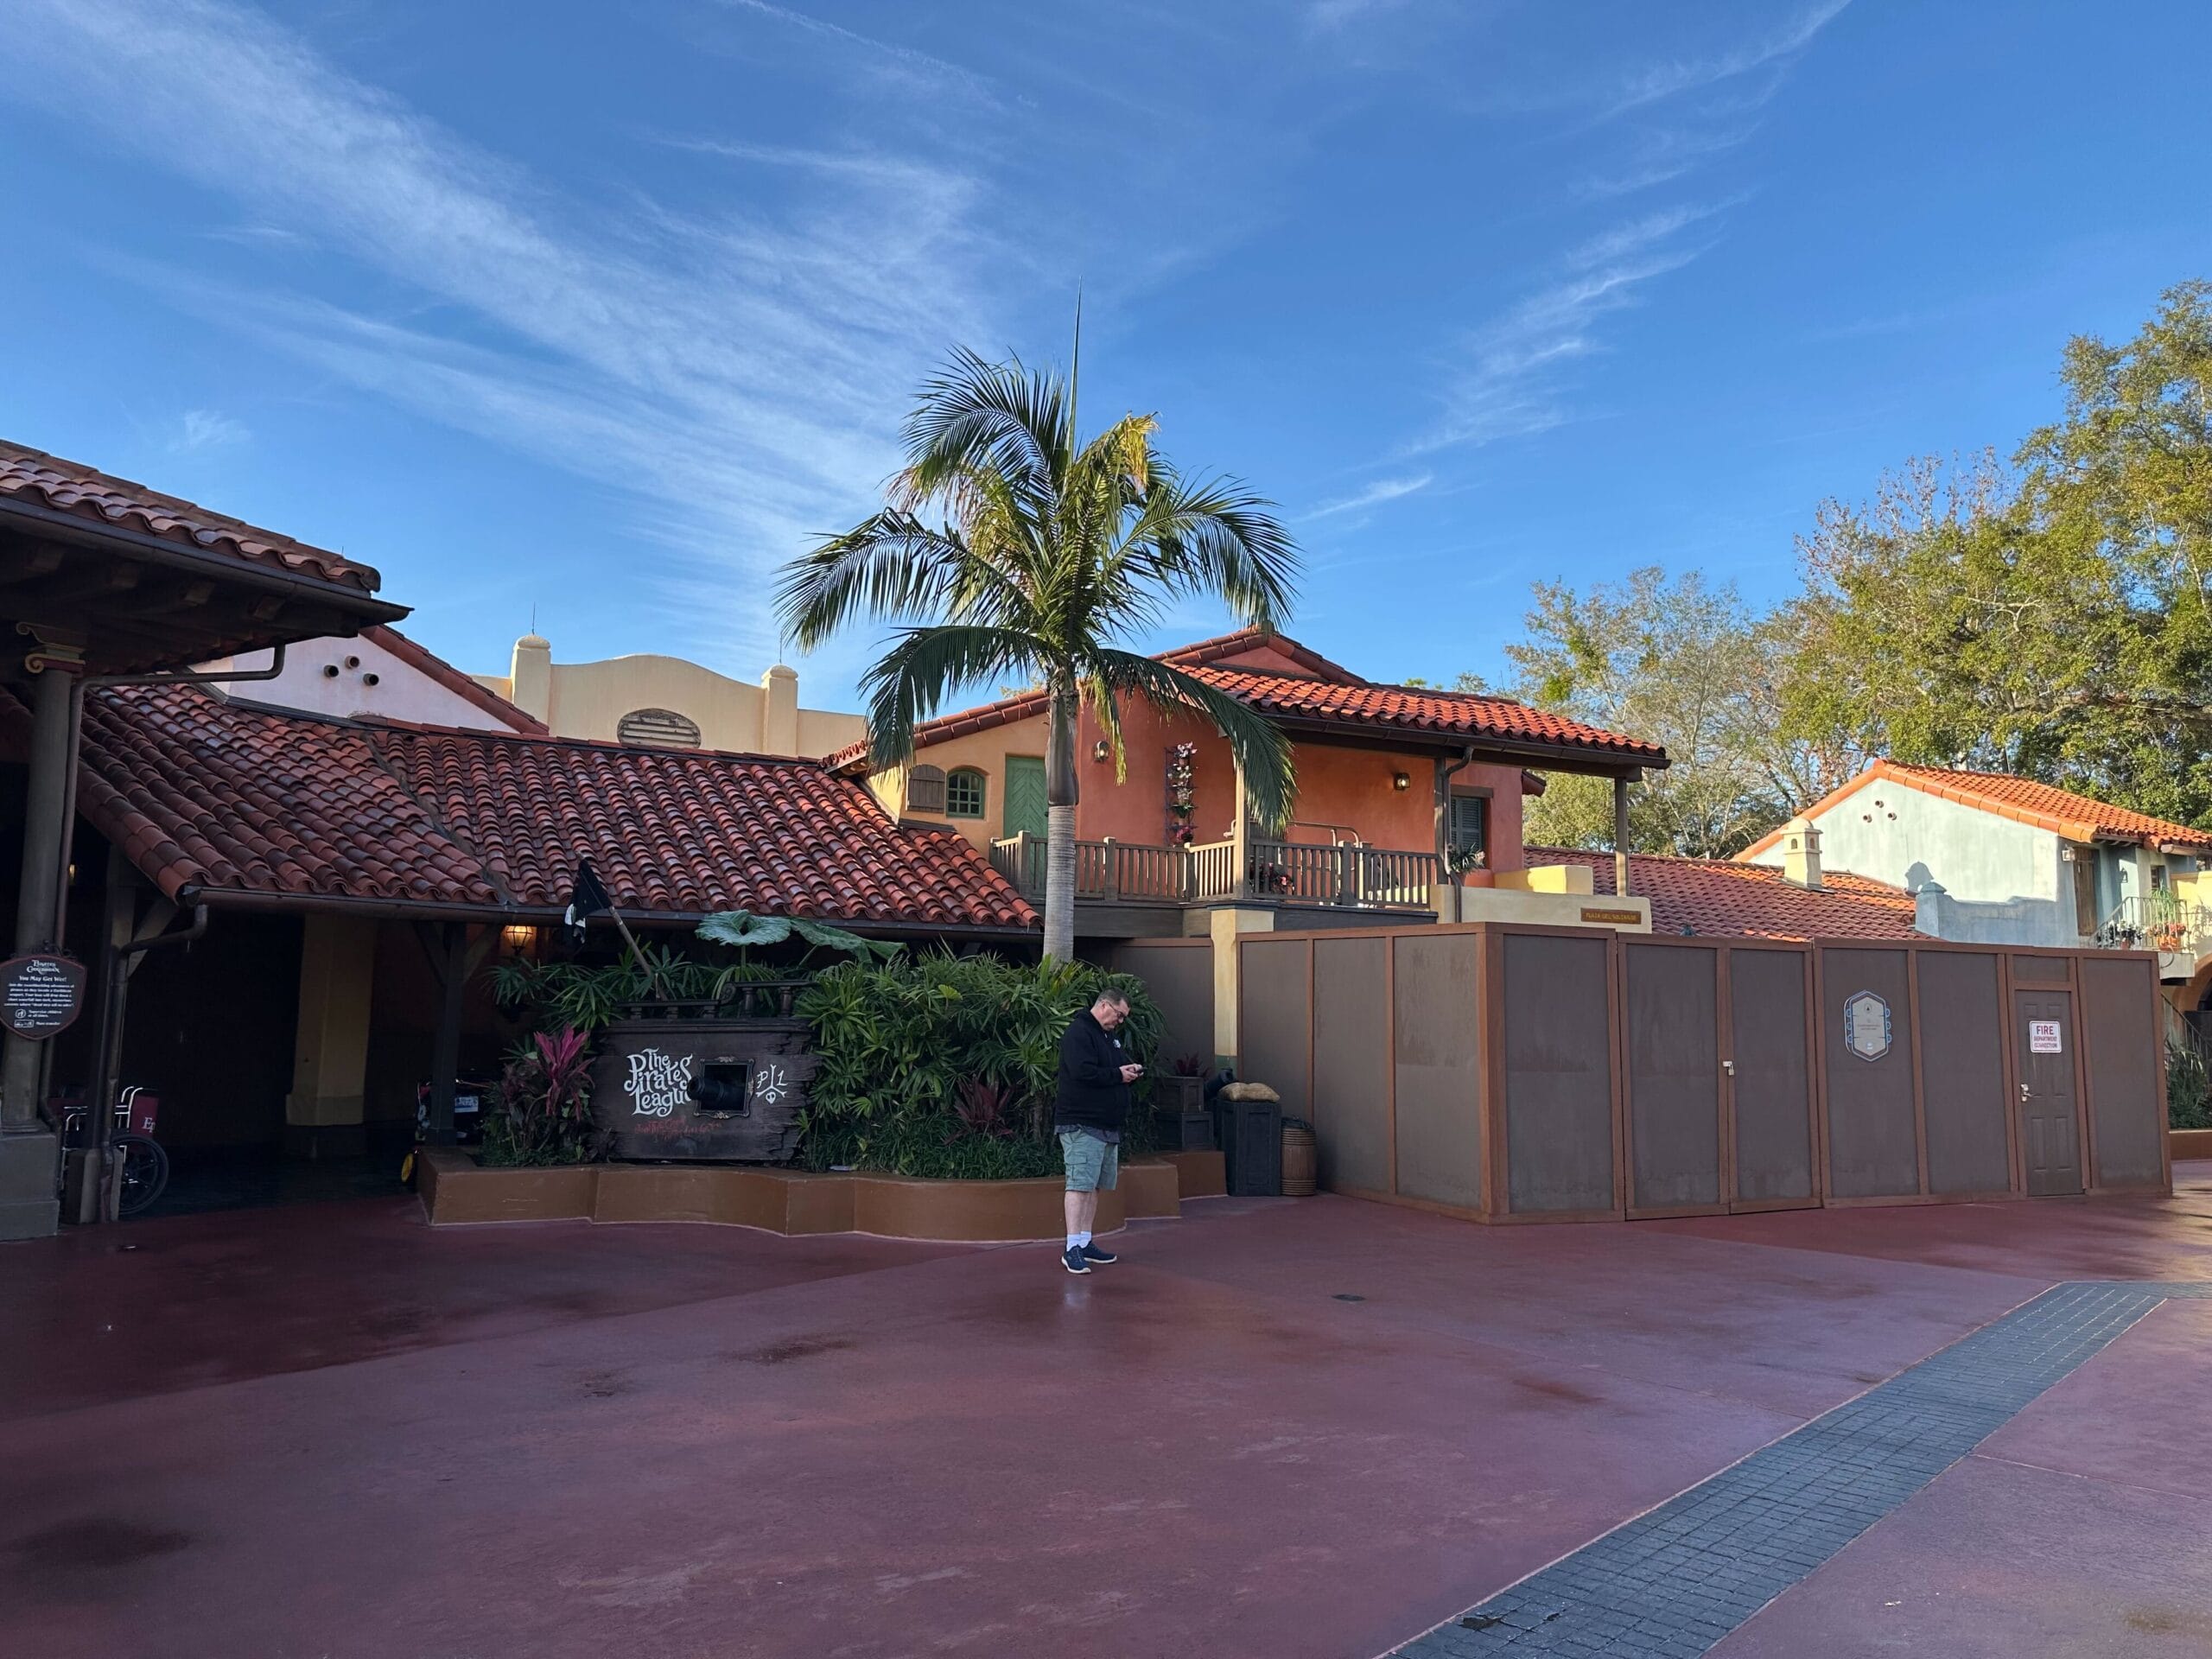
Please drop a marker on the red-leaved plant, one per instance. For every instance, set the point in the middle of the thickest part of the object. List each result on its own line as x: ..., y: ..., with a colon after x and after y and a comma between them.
x: 543, y: 1113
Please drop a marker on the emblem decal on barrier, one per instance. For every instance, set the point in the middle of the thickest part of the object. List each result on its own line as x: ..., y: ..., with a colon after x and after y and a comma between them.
x: 1867, y: 1025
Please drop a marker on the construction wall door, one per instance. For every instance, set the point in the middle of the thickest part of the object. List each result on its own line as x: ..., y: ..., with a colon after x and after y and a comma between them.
x: 2049, y: 1120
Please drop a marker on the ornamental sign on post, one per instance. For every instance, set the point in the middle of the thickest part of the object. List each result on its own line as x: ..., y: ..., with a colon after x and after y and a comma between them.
x: 1867, y: 1025
x: 40, y: 995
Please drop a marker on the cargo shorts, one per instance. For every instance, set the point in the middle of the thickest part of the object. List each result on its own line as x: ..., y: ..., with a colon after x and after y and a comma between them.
x: 1093, y: 1165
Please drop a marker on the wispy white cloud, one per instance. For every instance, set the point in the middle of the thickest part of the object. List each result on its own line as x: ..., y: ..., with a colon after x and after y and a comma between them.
x: 905, y: 57
x: 205, y: 428
x: 1514, y: 365
x: 1673, y: 78
x: 738, y: 375
x: 1384, y: 489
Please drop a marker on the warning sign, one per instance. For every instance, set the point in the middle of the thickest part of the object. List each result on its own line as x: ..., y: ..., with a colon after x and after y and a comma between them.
x: 2043, y: 1037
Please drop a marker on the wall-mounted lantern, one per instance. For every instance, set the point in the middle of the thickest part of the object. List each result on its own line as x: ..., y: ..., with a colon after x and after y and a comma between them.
x: 1399, y: 781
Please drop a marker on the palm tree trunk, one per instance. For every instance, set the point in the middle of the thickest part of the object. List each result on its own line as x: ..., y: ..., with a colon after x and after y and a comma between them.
x: 1059, y: 829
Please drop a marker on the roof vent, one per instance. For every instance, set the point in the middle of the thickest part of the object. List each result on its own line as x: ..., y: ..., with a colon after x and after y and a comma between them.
x: 658, y: 729
x: 1800, y: 853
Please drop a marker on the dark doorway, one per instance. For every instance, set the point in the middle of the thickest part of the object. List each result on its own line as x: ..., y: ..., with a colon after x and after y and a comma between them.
x: 2049, y: 1125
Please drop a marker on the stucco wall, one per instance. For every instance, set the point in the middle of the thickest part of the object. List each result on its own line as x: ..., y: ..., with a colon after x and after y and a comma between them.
x: 399, y: 691
x: 1338, y: 783
x: 2003, y: 881
x: 589, y: 699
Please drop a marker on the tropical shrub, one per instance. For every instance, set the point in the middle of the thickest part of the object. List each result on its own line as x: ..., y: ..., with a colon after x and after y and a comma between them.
x: 541, y: 1112
x: 945, y: 1065
x: 2189, y: 1089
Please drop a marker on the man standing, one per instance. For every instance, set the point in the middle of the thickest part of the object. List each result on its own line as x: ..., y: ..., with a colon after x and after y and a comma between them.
x: 1092, y: 1104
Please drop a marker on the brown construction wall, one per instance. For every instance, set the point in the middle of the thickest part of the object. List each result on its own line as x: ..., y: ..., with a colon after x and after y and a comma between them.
x: 1437, y: 1057
x: 1964, y: 1098
x: 1670, y: 1002
x: 1872, y: 1123
x: 2126, y: 1061
x: 1351, y: 1060
x: 1274, y: 1017
x: 1770, y: 1041
x: 1558, y: 1100
x: 1179, y: 975
x: 1528, y: 1073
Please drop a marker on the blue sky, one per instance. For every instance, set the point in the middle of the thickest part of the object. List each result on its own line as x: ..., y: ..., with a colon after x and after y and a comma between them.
x: 604, y: 315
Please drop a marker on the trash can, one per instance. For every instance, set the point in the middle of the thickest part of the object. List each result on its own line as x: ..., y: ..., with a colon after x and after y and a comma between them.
x: 1250, y: 1133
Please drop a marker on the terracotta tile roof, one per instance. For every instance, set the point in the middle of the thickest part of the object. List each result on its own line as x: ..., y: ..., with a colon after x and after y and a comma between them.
x: 1722, y: 899
x: 2077, y: 817
x: 1329, y: 696
x: 203, y: 793
x: 230, y: 800
x: 687, y: 831
x: 32, y: 476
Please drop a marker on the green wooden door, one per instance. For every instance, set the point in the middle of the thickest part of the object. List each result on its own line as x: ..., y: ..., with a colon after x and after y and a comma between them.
x: 1024, y: 796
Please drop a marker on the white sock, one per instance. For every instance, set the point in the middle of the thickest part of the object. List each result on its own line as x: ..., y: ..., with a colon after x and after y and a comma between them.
x: 1077, y: 1241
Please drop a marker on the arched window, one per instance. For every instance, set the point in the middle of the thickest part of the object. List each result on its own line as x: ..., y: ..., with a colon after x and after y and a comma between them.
x: 925, y: 790
x: 965, y: 794
x: 658, y: 729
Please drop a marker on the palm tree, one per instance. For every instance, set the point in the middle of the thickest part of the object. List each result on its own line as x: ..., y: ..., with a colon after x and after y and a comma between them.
x: 1046, y: 550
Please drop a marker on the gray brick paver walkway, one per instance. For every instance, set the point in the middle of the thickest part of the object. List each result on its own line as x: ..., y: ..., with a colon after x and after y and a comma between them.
x: 1673, y: 1583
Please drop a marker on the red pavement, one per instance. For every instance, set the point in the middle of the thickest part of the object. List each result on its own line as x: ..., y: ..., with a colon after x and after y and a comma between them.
x: 327, y: 1431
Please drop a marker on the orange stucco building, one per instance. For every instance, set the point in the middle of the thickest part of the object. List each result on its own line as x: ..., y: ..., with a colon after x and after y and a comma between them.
x: 1403, y: 791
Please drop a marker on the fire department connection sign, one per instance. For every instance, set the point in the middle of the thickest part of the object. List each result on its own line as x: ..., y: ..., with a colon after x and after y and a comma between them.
x: 2043, y: 1037
x: 1867, y: 1025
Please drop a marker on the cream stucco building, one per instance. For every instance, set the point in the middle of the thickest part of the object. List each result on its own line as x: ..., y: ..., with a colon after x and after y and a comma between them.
x: 666, y: 701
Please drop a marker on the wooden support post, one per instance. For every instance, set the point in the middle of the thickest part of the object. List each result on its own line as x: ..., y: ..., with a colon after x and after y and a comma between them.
x: 1620, y: 838
x: 445, y: 1051
x: 1240, y: 838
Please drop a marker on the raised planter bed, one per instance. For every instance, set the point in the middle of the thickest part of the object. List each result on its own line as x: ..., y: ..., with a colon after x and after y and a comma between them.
x: 455, y: 1188
x: 2189, y: 1143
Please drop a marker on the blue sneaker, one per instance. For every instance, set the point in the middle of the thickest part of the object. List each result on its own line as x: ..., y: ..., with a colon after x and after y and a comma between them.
x: 1092, y: 1254
x: 1072, y: 1259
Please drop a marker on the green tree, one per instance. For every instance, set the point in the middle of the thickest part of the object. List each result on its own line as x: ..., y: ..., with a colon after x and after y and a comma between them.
x: 2053, y: 617
x: 1042, y: 551
x: 1677, y: 661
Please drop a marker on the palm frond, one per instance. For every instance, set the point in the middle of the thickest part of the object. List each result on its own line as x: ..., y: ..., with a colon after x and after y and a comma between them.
x: 1215, y: 536
x: 999, y: 418
x: 924, y: 667
x: 891, y: 567
x: 1270, y: 773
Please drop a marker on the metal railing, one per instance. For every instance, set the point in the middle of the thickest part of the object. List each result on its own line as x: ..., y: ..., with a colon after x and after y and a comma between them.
x: 1127, y: 873
x: 2158, y: 921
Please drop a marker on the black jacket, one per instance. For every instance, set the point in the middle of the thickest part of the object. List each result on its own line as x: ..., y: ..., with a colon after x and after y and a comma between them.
x: 1091, y: 1092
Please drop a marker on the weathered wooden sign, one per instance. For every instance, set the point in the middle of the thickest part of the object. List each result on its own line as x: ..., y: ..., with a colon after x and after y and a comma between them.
x: 40, y: 994
x: 703, y: 1090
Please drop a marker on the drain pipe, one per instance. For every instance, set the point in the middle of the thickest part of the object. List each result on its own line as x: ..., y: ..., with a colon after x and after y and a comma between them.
x: 1444, y: 777
x: 91, y: 682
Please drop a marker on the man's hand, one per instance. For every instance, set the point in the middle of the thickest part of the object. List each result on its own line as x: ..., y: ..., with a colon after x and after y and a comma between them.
x: 1131, y: 1073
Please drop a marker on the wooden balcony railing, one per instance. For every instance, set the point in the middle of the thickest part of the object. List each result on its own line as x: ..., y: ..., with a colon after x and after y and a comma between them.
x: 1126, y: 872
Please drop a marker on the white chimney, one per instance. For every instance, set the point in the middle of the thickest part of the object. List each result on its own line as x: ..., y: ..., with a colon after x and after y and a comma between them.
x: 1800, y: 853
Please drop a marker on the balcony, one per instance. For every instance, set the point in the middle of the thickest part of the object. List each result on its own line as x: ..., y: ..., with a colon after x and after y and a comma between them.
x: 1347, y: 876
x: 2173, y: 925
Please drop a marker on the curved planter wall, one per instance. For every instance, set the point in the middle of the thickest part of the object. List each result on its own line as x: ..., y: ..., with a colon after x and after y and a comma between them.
x: 455, y: 1189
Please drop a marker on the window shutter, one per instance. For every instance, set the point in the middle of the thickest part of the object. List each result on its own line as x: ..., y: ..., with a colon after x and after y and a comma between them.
x: 925, y: 790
